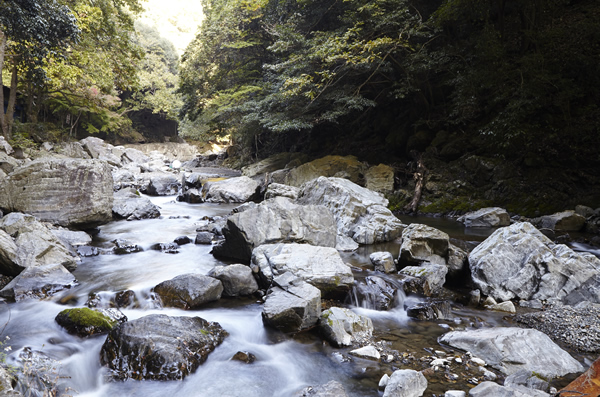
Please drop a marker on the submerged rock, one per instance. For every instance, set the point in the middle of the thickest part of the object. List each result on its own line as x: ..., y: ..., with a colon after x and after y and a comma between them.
x: 189, y: 291
x: 513, y: 349
x: 68, y: 192
x: 159, y: 347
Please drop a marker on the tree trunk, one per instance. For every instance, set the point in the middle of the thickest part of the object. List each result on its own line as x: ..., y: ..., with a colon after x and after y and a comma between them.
x: 12, y: 100
x: 3, y: 126
x: 419, y: 177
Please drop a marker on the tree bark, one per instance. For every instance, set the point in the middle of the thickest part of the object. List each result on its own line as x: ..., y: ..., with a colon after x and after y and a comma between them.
x: 12, y: 100
x: 419, y: 177
x: 2, y: 51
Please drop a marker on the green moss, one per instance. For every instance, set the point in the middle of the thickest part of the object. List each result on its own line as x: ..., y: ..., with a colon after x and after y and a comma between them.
x: 204, y: 332
x: 88, y: 317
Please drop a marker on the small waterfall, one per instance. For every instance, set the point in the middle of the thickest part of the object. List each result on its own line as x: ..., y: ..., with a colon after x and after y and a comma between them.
x: 378, y: 292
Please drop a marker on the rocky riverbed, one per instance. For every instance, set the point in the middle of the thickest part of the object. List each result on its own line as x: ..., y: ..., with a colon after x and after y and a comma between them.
x: 291, y: 279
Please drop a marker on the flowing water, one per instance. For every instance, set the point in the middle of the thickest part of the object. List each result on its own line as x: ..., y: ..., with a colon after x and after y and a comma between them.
x: 284, y: 364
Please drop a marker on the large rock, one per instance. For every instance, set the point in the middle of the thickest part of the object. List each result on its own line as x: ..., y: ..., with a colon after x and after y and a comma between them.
x: 427, y: 279
x: 513, y: 349
x: 189, y: 291
x: 519, y: 261
x: 35, y: 245
x: 292, y: 305
x: 232, y: 190
x: 566, y: 221
x: 159, y: 347
x: 380, y: 179
x: 273, y: 221
x: 279, y: 190
x: 486, y: 389
x: 237, y: 279
x: 128, y: 204
x: 38, y: 282
x: 84, y: 321
x: 160, y: 184
x: 587, y: 384
x: 344, y: 167
x: 320, y: 266
x: 343, y: 327
x: 422, y: 243
x: 100, y: 150
x: 69, y: 192
x: 383, y: 262
x: 486, y: 217
x: 405, y: 383
x: 360, y: 214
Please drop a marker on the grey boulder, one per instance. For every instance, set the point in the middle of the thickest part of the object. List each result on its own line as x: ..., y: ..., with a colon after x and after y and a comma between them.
x: 422, y: 243
x: 189, y: 291
x: 360, y: 213
x: 513, y: 349
x: 486, y: 217
x: 233, y: 190
x: 343, y: 327
x: 68, y: 192
x: 520, y: 262
x: 427, y: 279
x: 486, y: 389
x: 128, y: 204
x: 405, y: 383
x: 159, y: 347
x: 320, y: 266
x: 273, y: 221
x: 237, y: 279
x: 38, y: 282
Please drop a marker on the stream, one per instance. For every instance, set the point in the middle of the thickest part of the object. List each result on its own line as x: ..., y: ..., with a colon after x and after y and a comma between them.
x: 284, y: 364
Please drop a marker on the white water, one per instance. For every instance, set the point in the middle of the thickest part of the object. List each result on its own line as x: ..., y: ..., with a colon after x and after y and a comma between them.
x: 283, y: 366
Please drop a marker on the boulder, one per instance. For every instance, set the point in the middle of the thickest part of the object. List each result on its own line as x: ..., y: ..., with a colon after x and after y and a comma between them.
x: 486, y: 217
x: 8, y: 164
x: 329, y: 166
x: 237, y: 279
x: 8, y: 255
x: 405, y: 383
x: 272, y: 221
x: 422, y: 243
x: 125, y: 178
x: 124, y: 247
x: 320, y: 266
x: 244, y: 357
x: 427, y: 279
x: 159, y: 347
x: 566, y: 221
x: 292, y: 305
x: 71, y: 238
x: 135, y: 156
x: 330, y: 389
x: 520, y: 262
x: 383, y: 262
x: 128, y: 204
x: 528, y: 379
x: 38, y: 282
x: 279, y: 190
x: 342, y: 327
x: 86, y: 322
x: 167, y: 248
x: 486, y: 389
x: 68, y: 192
x: 233, y: 190
x: 457, y: 262
x: 73, y: 150
x: 204, y: 238
x: 160, y: 184
x: 380, y: 179
x: 513, y: 349
x: 5, y: 146
x: 369, y: 352
x: 189, y: 291
x: 100, y: 150
x: 35, y: 244
x: 359, y: 213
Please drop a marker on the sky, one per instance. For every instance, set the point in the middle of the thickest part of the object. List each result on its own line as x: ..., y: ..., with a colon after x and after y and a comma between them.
x: 177, y: 20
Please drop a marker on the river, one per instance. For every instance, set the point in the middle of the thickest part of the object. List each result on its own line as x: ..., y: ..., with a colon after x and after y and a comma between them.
x: 284, y: 364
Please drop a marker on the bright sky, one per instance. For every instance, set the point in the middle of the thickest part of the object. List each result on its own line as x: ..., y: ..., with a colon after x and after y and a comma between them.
x: 177, y: 20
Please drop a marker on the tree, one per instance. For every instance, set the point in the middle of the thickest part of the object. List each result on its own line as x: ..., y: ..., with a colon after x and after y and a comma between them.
x: 30, y: 30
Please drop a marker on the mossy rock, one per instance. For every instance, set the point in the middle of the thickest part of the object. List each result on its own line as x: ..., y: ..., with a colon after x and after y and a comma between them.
x: 86, y: 322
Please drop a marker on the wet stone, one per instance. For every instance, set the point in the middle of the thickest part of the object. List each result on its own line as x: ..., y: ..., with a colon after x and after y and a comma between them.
x: 167, y: 248
x: 245, y: 357
x: 123, y: 247
x: 204, y: 238
x: 182, y: 240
